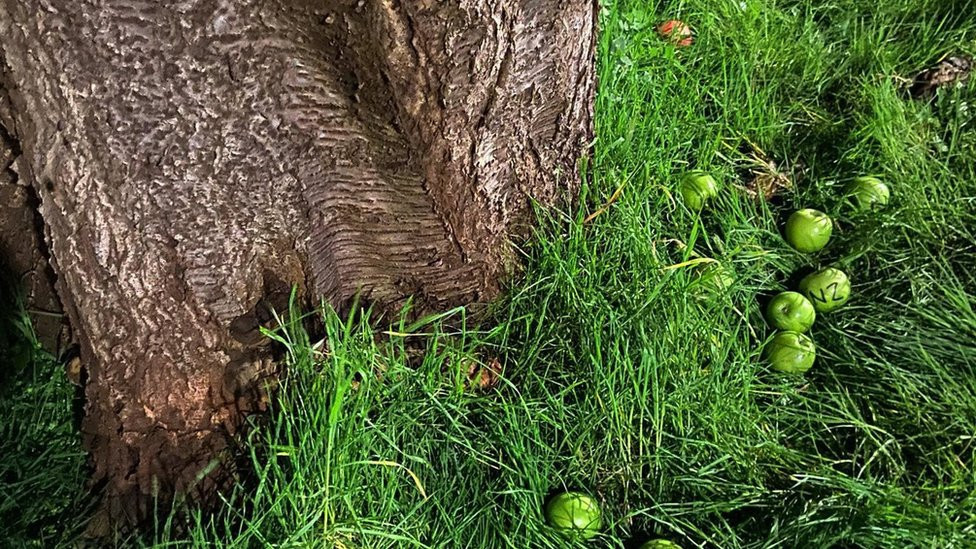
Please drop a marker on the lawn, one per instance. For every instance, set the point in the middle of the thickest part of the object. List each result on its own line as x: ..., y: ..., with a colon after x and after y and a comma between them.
x: 624, y: 375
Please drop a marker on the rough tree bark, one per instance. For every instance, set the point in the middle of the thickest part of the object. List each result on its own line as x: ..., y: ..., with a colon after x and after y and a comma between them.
x: 195, y: 159
x: 23, y: 256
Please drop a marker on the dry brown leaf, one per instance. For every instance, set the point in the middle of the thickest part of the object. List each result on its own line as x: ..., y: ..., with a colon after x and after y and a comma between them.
x: 768, y: 181
x: 484, y: 376
x: 603, y: 209
x: 768, y: 185
x: 952, y: 70
x: 73, y: 368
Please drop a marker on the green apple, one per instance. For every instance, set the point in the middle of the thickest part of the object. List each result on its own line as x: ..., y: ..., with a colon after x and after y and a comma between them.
x: 791, y: 311
x: 828, y: 289
x: 575, y: 513
x: 715, y: 277
x: 659, y: 544
x: 791, y: 353
x: 868, y: 193
x: 697, y: 187
x: 809, y: 230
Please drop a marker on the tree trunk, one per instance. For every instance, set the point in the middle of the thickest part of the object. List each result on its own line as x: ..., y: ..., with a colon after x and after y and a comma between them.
x: 23, y: 257
x: 195, y: 160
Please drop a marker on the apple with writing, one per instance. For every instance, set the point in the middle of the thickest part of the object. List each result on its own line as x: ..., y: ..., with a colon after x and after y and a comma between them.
x: 828, y: 289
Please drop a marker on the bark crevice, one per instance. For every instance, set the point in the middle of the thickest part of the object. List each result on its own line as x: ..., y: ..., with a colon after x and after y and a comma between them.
x: 24, y: 255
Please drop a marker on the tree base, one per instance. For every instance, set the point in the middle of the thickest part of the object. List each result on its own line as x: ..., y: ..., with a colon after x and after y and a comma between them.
x: 195, y: 162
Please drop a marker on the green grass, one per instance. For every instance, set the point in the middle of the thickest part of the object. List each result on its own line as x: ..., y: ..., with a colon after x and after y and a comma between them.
x: 633, y: 381
x: 42, y: 465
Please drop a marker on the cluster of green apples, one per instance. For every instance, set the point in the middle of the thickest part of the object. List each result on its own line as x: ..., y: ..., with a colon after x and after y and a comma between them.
x: 808, y: 231
x: 579, y: 515
x: 793, y: 313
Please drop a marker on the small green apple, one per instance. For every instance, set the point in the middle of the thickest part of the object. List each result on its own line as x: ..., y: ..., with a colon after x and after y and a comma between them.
x: 791, y: 353
x: 697, y: 187
x: 828, y: 289
x: 715, y: 277
x: 659, y: 544
x: 575, y: 513
x: 791, y: 311
x: 809, y: 230
x: 868, y: 193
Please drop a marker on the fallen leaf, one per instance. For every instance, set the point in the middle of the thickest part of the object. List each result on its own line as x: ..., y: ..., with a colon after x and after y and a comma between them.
x: 952, y: 70
x: 484, y: 376
x: 677, y: 32
x: 768, y: 181
x: 72, y: 369
x: 768, y: 185
x: 603, y: 209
